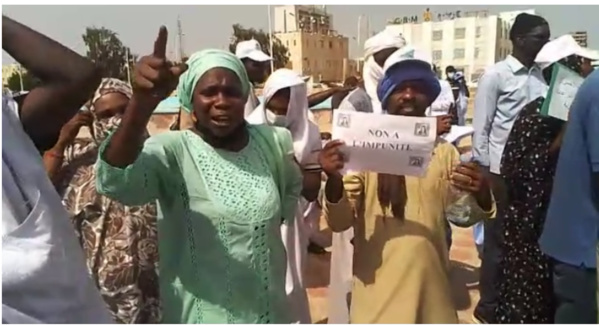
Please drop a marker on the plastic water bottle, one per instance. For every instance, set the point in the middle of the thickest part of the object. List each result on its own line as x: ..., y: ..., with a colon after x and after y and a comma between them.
x: 459, y: 201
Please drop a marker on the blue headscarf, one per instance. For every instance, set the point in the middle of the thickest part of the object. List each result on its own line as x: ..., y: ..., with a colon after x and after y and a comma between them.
x: 202, y: 61
x: 407, y: 70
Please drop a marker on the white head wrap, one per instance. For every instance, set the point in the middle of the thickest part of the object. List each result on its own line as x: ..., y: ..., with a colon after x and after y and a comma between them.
x: 373, y: 73
x: 298, y: 121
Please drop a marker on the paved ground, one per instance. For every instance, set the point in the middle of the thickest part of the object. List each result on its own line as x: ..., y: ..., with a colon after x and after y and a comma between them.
x: 464, y: 276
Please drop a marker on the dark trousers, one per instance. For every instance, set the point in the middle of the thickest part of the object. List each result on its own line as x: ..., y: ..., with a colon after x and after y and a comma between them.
x: 575, y: 289
x: 491, y: 254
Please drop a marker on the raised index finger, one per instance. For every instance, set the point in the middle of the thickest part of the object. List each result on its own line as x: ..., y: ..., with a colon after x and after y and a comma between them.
x: 160, y: 43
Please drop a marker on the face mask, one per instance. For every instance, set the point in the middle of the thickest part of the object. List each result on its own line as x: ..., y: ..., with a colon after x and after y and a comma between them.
x: 276, y: 120
x: 451, y: 75
x: 103, y: 128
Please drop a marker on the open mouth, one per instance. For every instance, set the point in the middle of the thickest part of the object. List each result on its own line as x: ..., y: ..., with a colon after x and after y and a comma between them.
x: 221, y: 120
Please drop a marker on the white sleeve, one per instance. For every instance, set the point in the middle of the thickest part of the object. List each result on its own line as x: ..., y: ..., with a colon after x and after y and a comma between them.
x: 443, y: 102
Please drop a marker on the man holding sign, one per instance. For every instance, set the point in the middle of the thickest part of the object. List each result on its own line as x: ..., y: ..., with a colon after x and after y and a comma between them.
x: 401, y: 258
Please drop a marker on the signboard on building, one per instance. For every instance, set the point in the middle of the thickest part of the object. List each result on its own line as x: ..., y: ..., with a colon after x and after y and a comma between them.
x: 406, y: 20
x: 450, y: 15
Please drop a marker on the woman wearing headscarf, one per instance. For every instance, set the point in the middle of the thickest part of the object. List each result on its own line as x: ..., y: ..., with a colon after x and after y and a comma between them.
x: 286, y: 105
x: 120, y: 242
x: 401, y: 260
x: 222, y: 188
x: 376, y: 50
x: 528, y: 166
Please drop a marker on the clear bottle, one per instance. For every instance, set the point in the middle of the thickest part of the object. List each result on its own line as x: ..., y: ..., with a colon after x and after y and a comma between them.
x: 458, y: 203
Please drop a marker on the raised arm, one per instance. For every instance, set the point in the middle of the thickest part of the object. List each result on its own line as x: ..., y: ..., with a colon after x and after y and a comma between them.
x: 321, y: 96
x: 154, y: 80
x: 128, y: 169
x: 68, y: 80
x: 485, y: 105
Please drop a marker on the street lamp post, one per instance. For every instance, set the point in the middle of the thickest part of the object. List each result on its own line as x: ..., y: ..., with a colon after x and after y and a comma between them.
x: 272, y: 61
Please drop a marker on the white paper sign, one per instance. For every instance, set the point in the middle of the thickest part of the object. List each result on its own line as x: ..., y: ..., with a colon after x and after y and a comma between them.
x: 562, y: 90
x: 397, y: 145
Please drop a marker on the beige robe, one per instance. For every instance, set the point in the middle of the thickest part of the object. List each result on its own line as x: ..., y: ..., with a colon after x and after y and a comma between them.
x: 400, y: 267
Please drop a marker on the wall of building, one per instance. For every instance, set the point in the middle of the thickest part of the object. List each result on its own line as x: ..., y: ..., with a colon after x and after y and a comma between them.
x: 315, y: 48
x: 470, y: 44
x: 317, y: 55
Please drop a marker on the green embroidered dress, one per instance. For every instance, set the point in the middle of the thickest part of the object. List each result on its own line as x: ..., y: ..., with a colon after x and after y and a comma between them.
x: 221, y: 255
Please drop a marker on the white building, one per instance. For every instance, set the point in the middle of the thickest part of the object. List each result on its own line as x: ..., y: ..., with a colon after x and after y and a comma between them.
x: 470, y: 41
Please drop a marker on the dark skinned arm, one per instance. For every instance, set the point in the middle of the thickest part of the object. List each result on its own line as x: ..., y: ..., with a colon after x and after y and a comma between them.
x: 53, y: 160
x: 321, y: 96
x: 127, y: 141
x: 311, y: 185
x: 68, y: 80
x: 334, y: 188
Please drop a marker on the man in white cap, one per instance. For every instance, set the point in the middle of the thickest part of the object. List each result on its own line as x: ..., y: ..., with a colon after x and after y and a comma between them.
x: 256, y: 64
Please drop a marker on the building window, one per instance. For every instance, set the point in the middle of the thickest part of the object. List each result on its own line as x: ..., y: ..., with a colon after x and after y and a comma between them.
x: 479, y: 33
x: 294, y: 44
x: 437, y: 55
x: 458, y: 53
x: 330, y: 44
x: 459, y: 33
x: 322, y: 44
x: 437, y: 35
x: 476, y: 52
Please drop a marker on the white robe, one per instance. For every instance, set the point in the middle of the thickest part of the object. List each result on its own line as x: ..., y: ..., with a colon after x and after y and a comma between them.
x: 44, y: 275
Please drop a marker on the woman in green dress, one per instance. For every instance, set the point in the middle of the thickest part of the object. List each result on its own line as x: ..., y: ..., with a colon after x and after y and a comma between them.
x: 222, y: 188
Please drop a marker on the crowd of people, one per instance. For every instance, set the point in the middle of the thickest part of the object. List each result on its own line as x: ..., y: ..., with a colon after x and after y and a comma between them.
x: 210, y: 222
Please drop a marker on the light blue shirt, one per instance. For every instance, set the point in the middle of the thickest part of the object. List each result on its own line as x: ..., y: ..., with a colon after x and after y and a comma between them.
x: 571, y: 227
x: 503, y: 90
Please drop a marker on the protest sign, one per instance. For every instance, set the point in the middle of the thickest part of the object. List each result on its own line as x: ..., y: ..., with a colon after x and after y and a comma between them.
x: 562, y: 90
x: 397, y: 145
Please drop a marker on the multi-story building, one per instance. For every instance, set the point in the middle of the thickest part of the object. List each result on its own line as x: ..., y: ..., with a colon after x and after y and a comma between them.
x: 470, y: 41
x: 315, y: 48
x: 581, y: 37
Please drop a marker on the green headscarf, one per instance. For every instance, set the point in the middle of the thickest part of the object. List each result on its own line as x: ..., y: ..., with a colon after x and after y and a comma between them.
x: 202, y: 61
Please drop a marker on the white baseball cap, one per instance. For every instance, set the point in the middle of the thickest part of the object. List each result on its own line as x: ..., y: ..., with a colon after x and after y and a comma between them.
x: 252, y: 50
x: 560, y: 48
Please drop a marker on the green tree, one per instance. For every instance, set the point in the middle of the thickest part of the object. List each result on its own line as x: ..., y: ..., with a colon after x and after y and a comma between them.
x: 29, y: 81
x: 106, y: 49
x: 280, y: 52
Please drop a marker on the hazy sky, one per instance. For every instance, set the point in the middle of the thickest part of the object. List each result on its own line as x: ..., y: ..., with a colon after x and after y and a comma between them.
x: 210, y: 26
